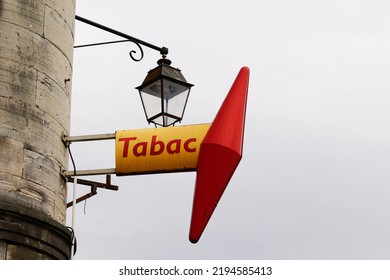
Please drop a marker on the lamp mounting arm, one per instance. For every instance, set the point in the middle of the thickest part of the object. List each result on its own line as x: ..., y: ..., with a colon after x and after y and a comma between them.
x: 163, y: 50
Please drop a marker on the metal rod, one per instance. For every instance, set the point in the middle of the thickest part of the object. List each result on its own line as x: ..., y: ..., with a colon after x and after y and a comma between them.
x: 107, y: 185
x: 73, y: 215
x: 82, y: 198
x: 85, y: 138
x: 102, y: 43
x: 89, y: 172
x: 163, y: 50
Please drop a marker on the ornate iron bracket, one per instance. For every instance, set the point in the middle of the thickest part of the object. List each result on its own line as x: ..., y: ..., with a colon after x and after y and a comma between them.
x: 163, y: 50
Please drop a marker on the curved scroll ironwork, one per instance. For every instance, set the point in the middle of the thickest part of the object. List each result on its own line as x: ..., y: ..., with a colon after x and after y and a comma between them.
x: 134, y: 52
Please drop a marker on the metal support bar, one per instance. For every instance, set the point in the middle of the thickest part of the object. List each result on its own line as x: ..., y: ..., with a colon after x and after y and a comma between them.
x: 90, y: 172
x: 94, y: 186
x: 107, y: 185
x: 102, y: 43
x: 84, y: 138
x: 84, y: 197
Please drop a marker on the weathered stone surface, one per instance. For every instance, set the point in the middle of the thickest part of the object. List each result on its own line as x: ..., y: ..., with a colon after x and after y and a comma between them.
x: 11, y: 156
x: 3, y: 250
x: 17, y: 80
x: 38, y: 130
x: 52, y: 100
x: 25, y: 13
x: 32, y: 50
x: 41, y: 170
x: 66, y: 10
x: 36, y: 53
x: 52, y: 24
x: 24, y: 194
x: 30, y: 235
x: 19, y: 252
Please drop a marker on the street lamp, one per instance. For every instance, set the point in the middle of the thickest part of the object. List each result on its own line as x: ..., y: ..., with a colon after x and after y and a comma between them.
x: 164, y: 94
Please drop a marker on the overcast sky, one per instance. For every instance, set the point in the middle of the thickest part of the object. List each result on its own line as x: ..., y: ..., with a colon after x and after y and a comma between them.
x: 314, y: 181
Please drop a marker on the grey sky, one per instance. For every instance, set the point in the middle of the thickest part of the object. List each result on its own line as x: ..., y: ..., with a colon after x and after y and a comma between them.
x: 314, y: 179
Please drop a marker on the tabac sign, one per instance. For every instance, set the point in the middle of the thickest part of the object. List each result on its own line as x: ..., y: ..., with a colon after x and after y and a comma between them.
x: 212, y: 150
x: 156, y: 150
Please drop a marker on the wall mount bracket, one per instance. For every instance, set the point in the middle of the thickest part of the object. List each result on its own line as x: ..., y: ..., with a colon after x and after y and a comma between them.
x: 139, y: 43
x: 94, y: 186
x: 70, y: 175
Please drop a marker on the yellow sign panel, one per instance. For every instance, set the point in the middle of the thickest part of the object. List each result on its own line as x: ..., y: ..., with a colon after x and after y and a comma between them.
x: 155, y: 150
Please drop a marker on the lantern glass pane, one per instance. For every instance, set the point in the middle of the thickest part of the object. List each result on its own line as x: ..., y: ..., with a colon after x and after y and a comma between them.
x: 175, y: 105
x: 172, y: 89
x: 153, y: 89
x: 151, y: 103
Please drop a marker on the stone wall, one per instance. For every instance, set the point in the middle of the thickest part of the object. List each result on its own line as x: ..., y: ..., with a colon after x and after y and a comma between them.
x: 36, y: 49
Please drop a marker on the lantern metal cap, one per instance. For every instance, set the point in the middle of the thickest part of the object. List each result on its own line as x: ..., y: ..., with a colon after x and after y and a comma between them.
x: 164, y: 60
x: 164, y: 70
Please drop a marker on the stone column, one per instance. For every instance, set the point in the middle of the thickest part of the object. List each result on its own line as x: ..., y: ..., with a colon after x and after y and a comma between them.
x: 36, y: 51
